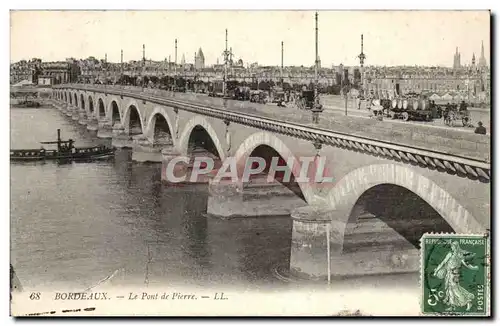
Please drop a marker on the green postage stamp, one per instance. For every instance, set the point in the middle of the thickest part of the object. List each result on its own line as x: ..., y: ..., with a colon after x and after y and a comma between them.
x: 455, y: 274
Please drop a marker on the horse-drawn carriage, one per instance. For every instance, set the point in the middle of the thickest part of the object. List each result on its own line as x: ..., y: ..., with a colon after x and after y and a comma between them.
x: 453, y: 112
x: 278, y: 96
x: 305, y: 100
x: 240, y: 93
x: 258, y: 96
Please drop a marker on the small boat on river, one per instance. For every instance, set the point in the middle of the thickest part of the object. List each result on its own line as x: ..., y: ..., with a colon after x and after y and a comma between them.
x: 65, y: 152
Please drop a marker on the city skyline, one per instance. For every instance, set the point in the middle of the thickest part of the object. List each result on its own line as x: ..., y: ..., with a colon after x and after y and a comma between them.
x: 390, y: 38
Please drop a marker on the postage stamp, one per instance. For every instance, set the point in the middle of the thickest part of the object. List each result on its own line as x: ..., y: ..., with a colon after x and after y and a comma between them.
x: 455, y: 274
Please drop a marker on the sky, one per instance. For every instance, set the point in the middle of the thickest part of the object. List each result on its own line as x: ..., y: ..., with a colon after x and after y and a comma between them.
x: 390, y: 37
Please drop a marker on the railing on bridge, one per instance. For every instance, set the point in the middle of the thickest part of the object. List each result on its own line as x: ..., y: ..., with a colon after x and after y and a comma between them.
x: 473, y: 168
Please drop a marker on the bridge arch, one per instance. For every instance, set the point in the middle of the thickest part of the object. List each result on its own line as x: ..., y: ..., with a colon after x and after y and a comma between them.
x: 159, y: 113
x: 196, y: 122
x: 114, y: 112
x: 101, y: 109
x: 259, y: 139
x: 132, y: 118
x: 82, y: 102
x: 91, y: 105
x: 351, y: 188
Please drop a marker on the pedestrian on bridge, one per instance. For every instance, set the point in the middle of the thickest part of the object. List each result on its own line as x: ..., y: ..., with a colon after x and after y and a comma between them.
x: 480, y: 129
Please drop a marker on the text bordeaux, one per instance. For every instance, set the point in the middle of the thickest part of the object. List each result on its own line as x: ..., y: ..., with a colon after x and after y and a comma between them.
x: 81, y: 296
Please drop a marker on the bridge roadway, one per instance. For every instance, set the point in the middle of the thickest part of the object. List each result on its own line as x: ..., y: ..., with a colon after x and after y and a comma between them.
x: 442, y: 140
x: 424, y: 179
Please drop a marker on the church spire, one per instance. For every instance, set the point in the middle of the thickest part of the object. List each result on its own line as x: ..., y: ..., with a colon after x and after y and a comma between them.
x: 482, y: 59
x: 456, y: 59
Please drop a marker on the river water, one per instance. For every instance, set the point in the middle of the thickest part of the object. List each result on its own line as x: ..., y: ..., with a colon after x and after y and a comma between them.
x: 74, y: 224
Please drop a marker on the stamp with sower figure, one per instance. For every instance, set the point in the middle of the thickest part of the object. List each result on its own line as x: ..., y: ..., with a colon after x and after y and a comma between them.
x: 455, y: 274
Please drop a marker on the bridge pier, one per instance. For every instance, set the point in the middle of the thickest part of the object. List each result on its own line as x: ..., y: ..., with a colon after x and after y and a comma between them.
x: 121, y: 138
x: 104, y: 128
x: 63, y: 106
x: 146, y: 151
x: 317, y: 236
x: 167, y: 154
x: 228, y: 199
x: 74, y: 113
x: 82, y: 117
x: 323, y: 243
x: 60, y: 106
x: 92, y: 124
x: 184, y: 168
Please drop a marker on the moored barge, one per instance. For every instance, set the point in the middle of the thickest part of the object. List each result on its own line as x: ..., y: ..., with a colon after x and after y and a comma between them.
x: 65, y: 151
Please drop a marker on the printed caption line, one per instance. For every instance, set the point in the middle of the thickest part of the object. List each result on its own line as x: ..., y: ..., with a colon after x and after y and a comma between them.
x: 63, y: 311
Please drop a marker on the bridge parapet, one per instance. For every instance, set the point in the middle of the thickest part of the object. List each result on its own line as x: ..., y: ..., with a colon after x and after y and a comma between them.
x: 451, y: 151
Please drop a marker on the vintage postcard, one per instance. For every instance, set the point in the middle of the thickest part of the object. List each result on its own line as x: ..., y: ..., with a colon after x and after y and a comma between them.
x: 250, y: 163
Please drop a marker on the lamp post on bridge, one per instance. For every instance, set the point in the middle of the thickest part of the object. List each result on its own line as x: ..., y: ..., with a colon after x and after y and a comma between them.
x: 194, y: 74
x: 281, y: 70
x: 362, y: 58
x: 317, y: 107
x: 105, y: 68
x: 121, y: 65
x: 224, y: 80
x: 175, y: 67
x: 143, y: 66
x: 343, y: 89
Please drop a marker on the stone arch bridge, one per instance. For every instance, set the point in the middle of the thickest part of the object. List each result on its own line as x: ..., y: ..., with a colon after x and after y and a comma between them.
x: 384, y: 186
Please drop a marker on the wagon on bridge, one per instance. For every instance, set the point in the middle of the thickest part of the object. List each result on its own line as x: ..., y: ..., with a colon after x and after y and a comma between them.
x: 411, y: 107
